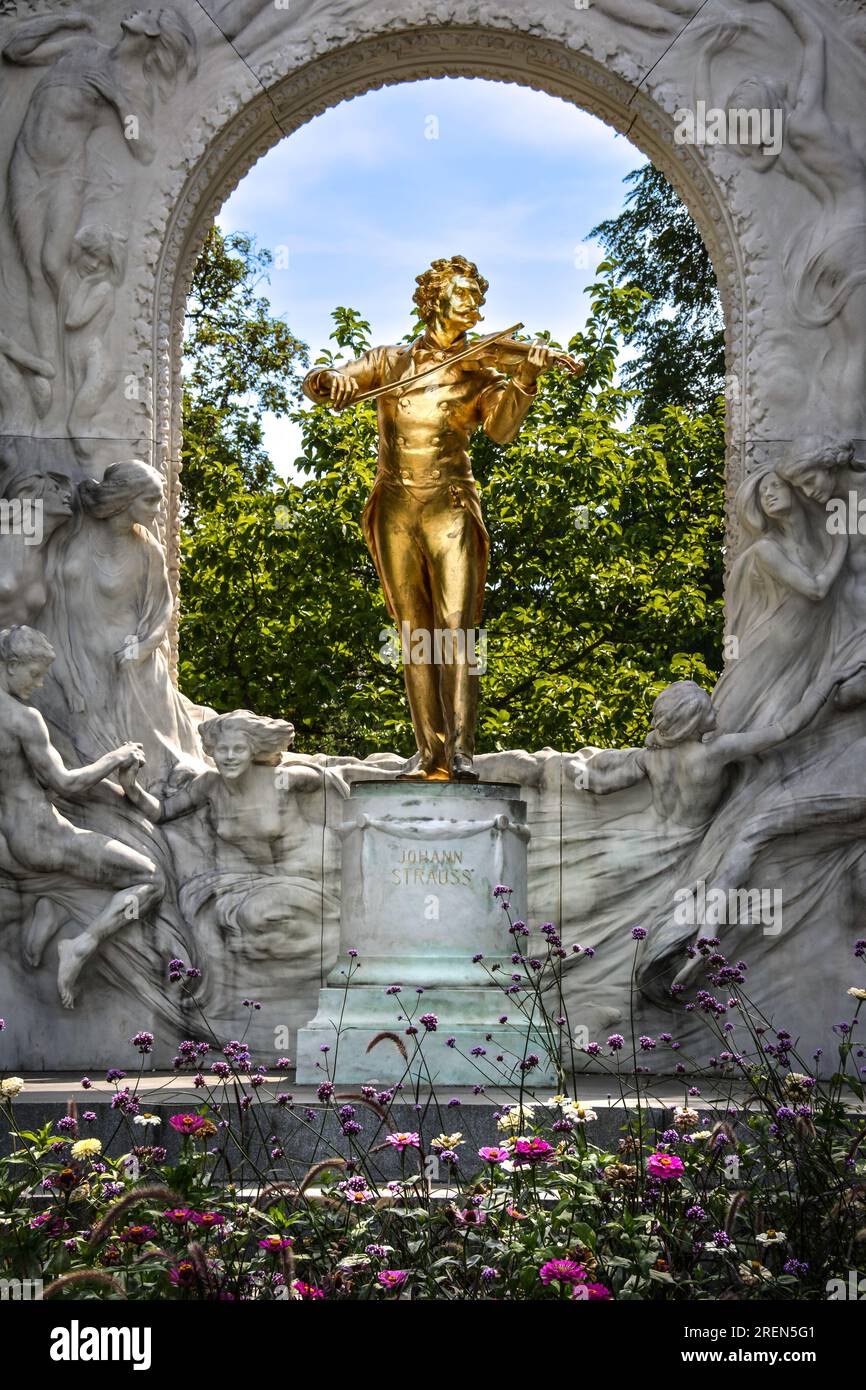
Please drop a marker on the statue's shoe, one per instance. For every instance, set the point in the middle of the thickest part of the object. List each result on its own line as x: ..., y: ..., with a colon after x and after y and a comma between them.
x: 462, y: 769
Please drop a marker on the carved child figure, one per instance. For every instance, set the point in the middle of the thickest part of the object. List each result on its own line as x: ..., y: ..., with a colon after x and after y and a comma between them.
x: 36, y: 839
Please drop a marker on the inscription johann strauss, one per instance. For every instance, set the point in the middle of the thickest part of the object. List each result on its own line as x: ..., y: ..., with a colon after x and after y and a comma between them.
x: 440, y: 866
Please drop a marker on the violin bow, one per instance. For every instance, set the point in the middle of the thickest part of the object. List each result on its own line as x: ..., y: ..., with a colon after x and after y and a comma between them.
x: 437, y: 367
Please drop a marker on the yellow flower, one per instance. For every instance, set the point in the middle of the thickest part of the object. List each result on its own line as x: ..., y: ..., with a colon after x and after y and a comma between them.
x: 11, y: 1087
x: 513, y: 1118
x: 86, y: 1148
x: 857, y: 993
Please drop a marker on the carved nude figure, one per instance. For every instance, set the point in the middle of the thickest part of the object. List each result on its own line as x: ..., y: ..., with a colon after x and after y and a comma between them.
x: 90, y: 84
x: 684, y: 759
x: 36, y: 840
x: 23, y: 585
x: 86, y: 308
x: 257, y: 888
x: 108, y: 615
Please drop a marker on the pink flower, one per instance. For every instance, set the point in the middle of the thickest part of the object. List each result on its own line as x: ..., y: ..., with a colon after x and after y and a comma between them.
x: 275, y: 1242
x: 665, y: 1167
x: 187, y: 1124
x: 531, y: 1151
x: 592, y: 1292
x: 179, y: 1215
x: 208, y: 1218
x: 470, y: 1216
x: 137, y: 1235
x: 493, y: 1154
x: 403, y: 1141
x: 309, y: 1291
x: 562, y: 1272
x: 358, y: 1196
x: 392, y: 1278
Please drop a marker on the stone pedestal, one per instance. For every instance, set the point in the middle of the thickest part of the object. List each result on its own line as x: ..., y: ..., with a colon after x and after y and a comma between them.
x: 420, y: 862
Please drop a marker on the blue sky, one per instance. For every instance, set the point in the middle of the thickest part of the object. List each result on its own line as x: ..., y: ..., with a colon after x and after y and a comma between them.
x: 358, y: 201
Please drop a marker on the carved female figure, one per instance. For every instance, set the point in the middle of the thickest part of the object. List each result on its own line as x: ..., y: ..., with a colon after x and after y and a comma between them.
x: 777, y: 590
x: 107, y: 617
x: 90, y: 84
x: 262, y: 887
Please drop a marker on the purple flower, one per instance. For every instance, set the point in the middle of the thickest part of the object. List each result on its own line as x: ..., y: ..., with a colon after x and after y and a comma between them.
x: 638, y: 933
x: 392, y: 1278
x: 615, y: 1042
x: 500, y: 890
x: 144, y: 1042
x: 430, y: 1021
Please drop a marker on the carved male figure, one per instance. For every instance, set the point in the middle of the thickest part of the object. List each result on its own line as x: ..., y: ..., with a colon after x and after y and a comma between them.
x: 37, y: 840
x: 423, y: 521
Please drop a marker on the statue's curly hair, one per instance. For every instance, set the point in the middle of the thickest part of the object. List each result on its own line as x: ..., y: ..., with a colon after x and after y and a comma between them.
x: 268, y: 738
x: 22, y: 643
x: 440, y: 272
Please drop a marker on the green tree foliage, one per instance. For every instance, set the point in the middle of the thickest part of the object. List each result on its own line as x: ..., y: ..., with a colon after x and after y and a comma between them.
x: 680, y: 330
x: 606, y: 561
x: 238, y: 364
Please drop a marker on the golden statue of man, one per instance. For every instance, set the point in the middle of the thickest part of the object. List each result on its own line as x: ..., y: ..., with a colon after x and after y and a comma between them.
x: 423, y: 522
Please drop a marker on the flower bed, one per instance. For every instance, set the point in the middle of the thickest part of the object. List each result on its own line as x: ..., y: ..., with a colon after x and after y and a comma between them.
x: 763, y: 1199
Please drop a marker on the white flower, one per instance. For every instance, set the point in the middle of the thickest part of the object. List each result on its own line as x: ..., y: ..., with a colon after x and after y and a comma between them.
x: 581, y: 1114
x: 856, y: 993
x: 145, y: 1118
x: 556, y: 1101
x: 11, y: 1087
x: 700, y: 1135
x: 771, y: 1237
x: 685, y: 1118
x: 711, y: 1248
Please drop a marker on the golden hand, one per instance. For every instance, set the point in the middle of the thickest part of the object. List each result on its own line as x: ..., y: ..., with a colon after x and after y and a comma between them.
x: 541, y: 358
x: 341, y: 389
